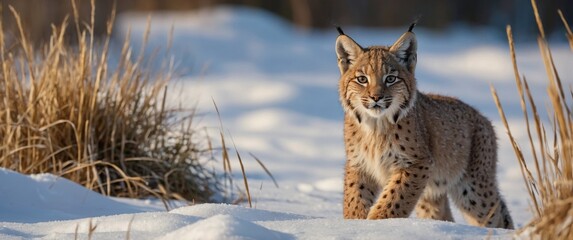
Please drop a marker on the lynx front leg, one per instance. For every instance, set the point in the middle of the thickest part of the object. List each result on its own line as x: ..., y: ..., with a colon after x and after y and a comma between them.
x: 359, y: 193
x: 400, y: 195
x: 433, y: 207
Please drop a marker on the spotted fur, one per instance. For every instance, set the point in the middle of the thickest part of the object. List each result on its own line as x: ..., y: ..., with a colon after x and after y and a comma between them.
x: 407, y: 150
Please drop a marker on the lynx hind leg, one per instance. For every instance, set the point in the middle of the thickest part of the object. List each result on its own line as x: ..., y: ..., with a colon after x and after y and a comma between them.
x: 432, y: 207
x: 359, y: 194
x: 481, y: 207
x: 477, y: 194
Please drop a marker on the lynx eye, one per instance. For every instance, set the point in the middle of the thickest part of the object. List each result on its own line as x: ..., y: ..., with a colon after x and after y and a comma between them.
x: 362, y: 79
x: 390, y: 79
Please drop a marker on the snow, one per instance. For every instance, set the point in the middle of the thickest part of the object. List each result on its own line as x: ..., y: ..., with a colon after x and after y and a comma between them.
x: 203, y: 221
x: 45, y: 197
x: 276, y: 88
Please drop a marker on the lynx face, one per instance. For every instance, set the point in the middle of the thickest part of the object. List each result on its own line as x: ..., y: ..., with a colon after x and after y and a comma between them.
x: 378, y: 81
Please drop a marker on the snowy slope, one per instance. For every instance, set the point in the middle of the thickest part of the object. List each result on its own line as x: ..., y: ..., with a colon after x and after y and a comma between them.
x: 276, y: 88
x: 205, y: 221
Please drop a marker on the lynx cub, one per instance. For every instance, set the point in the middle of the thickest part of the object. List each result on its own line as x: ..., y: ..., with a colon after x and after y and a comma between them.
x: 407, y: 149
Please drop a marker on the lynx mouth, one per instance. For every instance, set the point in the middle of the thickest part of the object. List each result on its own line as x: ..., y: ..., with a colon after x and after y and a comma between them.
x: 378, y: 105
x: 376, y: 110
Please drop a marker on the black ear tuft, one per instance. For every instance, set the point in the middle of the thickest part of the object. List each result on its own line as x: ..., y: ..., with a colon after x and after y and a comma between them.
x: 414, y: 24
x: 411, y: 27
x: 340, y: 32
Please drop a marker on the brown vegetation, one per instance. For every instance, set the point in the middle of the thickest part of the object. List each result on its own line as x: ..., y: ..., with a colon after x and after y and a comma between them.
x: 65, y: 110
x: 550, y: 184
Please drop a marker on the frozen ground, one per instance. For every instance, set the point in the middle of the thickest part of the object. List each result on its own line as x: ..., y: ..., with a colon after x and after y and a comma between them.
x: 276, y: 88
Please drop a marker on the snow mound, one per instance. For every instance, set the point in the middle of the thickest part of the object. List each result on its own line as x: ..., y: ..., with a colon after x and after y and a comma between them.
x: 46, y: 197
x: 138, y: 226
x: 225, y: 227
x: 210, y: 210
x: 385, y: 229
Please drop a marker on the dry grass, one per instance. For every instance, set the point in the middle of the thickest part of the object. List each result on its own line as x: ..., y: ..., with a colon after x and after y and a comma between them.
x: 550, y: 184
x: 64, y: 110
x: 228, y: 179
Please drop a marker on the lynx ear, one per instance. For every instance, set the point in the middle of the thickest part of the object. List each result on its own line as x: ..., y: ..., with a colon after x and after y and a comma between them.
x: 347, y: 50
x: 405, y: 50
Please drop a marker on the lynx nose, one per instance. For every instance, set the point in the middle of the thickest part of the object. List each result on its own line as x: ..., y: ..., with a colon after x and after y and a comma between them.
x: 375, y: 98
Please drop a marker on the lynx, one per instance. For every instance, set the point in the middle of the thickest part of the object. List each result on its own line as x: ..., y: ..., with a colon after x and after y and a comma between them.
x: 409, y: 150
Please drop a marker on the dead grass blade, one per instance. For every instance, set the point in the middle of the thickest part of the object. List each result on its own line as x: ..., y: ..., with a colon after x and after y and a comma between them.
x: 91, y: 229
x: 128, y: 232
x: 526, y: 174
x: 569, y: 33
x: 538, y: 19
x: 266, y: 169
x: 224, y: 151
x: 76, y: 231
x: 245, y: 181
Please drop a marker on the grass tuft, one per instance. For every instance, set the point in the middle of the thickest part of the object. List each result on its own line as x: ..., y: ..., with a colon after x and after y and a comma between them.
x: 550, y: 184
x: 65, y: 110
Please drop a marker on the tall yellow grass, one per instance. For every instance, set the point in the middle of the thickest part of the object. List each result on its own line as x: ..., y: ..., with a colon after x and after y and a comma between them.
x: 550, y: 184
x: 65, y: 110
